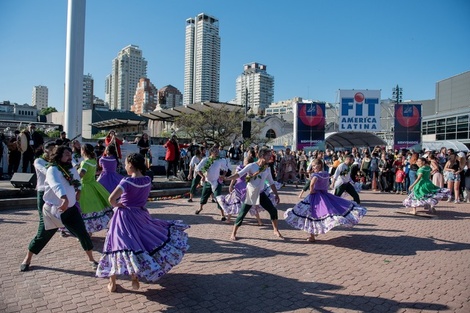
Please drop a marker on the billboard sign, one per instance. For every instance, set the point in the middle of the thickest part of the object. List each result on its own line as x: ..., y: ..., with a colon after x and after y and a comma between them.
x: 309, y: 126
x: 407, y: 127
x: 359, y: 110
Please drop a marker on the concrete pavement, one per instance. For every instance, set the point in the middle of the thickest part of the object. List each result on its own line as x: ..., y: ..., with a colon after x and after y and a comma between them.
x: 389, y: 263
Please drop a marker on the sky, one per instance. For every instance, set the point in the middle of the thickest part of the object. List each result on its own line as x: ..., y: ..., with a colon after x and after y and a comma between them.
x: 313, y: 48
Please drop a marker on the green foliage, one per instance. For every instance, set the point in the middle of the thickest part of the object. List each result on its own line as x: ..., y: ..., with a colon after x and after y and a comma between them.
x: 47, y: 110
x: 222, y: 126
x: 53, y: 133
x: 99, y: 135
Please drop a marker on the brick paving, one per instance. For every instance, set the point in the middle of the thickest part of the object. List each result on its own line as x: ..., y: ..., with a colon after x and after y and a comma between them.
x: 389, y: 263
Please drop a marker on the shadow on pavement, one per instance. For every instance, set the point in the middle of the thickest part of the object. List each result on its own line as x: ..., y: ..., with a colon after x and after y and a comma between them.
x: 266, y: 293
x: 399, y: 245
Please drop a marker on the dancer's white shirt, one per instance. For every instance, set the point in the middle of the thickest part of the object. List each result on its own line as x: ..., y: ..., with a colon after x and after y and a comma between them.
x: 41, y: 169
x: 255, y: 185
x: 213, y: 173
x: 57, y: 186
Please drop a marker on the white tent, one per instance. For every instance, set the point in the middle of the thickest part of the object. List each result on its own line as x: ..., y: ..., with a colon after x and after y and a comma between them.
x: 449, y: 144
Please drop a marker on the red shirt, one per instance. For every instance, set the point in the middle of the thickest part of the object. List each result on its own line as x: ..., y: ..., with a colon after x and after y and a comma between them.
x: 399, y: 176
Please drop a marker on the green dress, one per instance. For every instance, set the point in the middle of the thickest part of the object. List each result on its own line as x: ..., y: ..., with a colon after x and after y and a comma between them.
x: 94, y: 203
x: 425, y: 193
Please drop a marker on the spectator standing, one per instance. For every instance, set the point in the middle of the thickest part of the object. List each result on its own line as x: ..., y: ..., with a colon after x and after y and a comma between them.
x: 112, y: 139
x: 99, y: 148
x: 31, y: 146
x: 172, y: 156
x: 14, y: 155
x: 63, y: 140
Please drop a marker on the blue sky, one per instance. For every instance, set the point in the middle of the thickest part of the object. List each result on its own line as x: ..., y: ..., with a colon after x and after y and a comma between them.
x: 311, y: 47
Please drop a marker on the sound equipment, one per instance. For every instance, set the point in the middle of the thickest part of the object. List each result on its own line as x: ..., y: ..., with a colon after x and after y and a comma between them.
x: 24, y: 180
x: 246, y: 131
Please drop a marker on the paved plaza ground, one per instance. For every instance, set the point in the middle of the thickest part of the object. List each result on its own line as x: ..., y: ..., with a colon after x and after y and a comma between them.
x: 390, y: 262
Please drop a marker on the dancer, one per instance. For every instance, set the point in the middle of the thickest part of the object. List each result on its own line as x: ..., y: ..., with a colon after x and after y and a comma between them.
x: 211, y: 169
x: 43, y: 236
x: 192, y: 175
x: 321, y: 211
x: 109, y: 163
x: 256, y: 177
x: 94, y: 204
x: 232, y: 202
x: 423, y: 191
x: 62, y: 188
x: 136, y: 244
x: 342, y: 181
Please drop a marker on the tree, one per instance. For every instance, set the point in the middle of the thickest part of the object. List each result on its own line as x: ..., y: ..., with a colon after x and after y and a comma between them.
x: 47, y: 110
x: 216, y: 125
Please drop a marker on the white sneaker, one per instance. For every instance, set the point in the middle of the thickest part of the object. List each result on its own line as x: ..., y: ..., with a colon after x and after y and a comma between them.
x: 450, y: 199
x: 457, y: 201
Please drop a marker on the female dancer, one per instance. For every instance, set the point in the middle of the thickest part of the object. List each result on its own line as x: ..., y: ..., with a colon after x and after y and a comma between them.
x: 109, y: 163
x: 94, y: 202
x: 320, y: 211
x: 136, y: 244
x: 423, y: 191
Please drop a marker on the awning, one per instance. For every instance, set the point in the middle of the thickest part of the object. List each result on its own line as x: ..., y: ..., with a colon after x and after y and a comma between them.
x: 449, y: 144
x: 169, y: 115
x: 115, y: 122
x: 353, y: 139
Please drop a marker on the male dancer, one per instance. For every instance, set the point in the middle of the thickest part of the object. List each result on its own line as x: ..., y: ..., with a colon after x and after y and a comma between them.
x: 211, y: 169
x: 62, y: 188
x: 342, y: 181
x: 257, y: 173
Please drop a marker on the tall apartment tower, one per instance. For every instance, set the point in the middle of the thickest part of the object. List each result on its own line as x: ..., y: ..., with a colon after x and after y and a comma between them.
x: 40, y: 97
x: 255, y: 88
x: 201, y: 60
x: 128, y: 68
x: 87, y: 92
x: 145, y: 98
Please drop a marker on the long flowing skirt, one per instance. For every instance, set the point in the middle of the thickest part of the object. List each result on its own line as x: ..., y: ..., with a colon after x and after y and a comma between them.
x: 429, y: 200
x: 140, y: 245
x: 321, y: 211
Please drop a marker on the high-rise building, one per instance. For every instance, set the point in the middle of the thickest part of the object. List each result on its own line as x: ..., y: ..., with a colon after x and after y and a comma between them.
x: 88, y: 92
x: 145, y: 98
x: 201, y: 60
x: 169, y: 97
x: 128, y: 68
x: 255, y: 88
x: 40, y: 97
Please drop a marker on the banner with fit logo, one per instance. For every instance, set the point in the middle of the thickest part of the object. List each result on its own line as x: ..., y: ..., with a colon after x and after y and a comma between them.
x: 359, y: 110
x: 407, y: 128
x: 309, y: 126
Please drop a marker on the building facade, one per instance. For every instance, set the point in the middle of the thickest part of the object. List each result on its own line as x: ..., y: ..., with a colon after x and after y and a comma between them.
x: 40, y: 97
x: 87, y: 92
x: 145, y: 98
x: 255, y: 88
x: 202, y: 60
x: 169, y: 97
x: 452, y: 111
x: 120, y: 86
